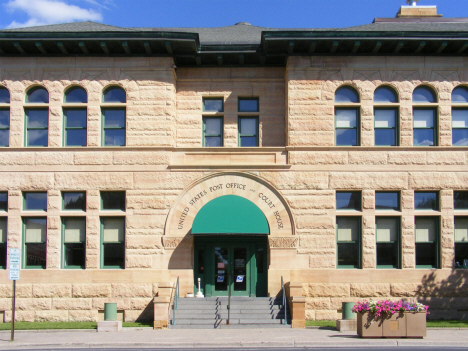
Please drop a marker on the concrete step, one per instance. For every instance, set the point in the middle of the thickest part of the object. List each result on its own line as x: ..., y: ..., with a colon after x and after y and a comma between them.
x: 252, y: 326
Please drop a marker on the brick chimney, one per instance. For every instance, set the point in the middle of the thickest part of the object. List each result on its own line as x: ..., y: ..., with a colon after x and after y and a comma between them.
x: 417, y: 11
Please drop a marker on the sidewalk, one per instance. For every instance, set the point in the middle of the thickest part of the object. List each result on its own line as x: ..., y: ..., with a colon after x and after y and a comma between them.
x: 223, y: 338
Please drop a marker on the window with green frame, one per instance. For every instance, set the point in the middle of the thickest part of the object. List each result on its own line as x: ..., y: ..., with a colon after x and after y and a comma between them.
x: 3, y: 201
x: 348, y: 241
x: 4, y: 118
x: 3, y: 242
x: 75, y: 125
x: 461, y: 242
x: 424, y: 127
x: 387, y: 233
x: 35, y: 201
x: 5, y: 127
x: 34, y: 242
x: 113, y: 126
x: 113, y: 242
x: 213, y: 104
x: 248, y: 105
x: 113, y: 200
x: 74, y: 242
x: 346, y: 126
x: 386, y: 126
x: 427, y: 242
x: 212, y: 131
x: 74, y: 201
x: 37, y: 127
x: 248, y: 131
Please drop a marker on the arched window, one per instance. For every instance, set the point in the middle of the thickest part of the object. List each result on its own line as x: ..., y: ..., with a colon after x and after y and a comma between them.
x: 75, y: 117
x: 4, y: 117
x: 114, y: 117
x: 460, y: 116
x: 76, y: 95
x: 460, y: 95
x: 114, y: 94
x: 386, y: 119
x: 385, y: 95
x: 37, y: 118
x: 424, y: 117
x: 346, y: 95
x: 347, y: 124
x: 38, y: 95
x: 423, y: 95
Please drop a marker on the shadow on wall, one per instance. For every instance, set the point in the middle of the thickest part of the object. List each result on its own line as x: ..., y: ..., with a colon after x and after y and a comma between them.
x: 182, y: 252
x: 447, y: 298
x: 147, y: 315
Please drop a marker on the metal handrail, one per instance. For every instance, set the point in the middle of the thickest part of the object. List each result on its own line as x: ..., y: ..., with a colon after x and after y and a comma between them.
x: 285, y: 302
x: 174, y: 306
x: 229, y: 299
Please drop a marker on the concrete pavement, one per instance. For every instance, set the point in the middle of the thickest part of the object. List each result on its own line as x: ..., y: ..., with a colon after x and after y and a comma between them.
x: 223, y: 338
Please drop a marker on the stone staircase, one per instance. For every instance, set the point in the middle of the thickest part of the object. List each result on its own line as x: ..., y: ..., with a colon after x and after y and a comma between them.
x: 212, y: 312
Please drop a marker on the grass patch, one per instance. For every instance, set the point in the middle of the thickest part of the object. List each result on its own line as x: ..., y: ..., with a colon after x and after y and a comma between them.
x: 328, y: 324
x: 447, y: 324
x: 49, y: 325
x: 65, y: 325
x: 430, y: 324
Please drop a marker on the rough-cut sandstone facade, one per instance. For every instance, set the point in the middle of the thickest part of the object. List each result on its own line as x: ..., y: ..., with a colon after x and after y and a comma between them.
x: 297, y: 159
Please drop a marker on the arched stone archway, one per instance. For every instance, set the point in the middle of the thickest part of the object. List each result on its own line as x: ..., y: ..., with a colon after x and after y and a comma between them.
x: 254, y: 189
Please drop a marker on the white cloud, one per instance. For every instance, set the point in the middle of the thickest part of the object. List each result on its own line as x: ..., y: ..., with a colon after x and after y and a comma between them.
x: 41, y: 12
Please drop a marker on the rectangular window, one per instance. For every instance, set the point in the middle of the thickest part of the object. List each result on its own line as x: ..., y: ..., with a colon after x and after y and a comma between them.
x: 460, y: 200
x: 248, y: 131
x: 4, y: 201
x: 113, y: 200
x: 387, y: 200
x: 427, y: 242
x: 348, y: 237
x: 426, y: 200
x: 35, y: 201
x: 213, y: 105
x: 388, y: 242
x: 461, y: 242
x: 385, y: 127
x: 37, y: 127
x: 346, y: 124
x: 424, y: 127
x: 113, y: 242
x: 34, y: 239
x: 348, y: 200
x: 74, y: 240
x: 75, y: 127
x: 248, y: 105
x: 212, y: 131
x: 5, y: 127
x: 459, y: 127
x: 3, y: 242
x: 114, y: 121
x: 74, y: 201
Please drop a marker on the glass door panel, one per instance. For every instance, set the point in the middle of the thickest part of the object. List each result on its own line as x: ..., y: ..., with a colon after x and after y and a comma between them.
x: 221, y: 266
x: 240, y: 268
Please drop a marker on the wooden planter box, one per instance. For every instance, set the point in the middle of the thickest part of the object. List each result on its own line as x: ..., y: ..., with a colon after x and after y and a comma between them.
x: 403, y: 325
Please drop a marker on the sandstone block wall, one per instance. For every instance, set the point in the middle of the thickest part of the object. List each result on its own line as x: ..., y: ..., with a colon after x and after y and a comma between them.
x: 266, y: 84
x: 297, y: 157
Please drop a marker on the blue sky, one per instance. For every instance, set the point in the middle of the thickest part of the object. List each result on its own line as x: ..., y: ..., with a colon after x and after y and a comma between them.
x: 211, y: 13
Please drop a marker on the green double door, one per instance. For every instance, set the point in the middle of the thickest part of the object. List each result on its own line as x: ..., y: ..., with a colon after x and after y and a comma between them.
x: 235, y: 262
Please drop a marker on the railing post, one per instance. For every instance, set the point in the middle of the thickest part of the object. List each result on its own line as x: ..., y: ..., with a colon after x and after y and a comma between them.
x: 229, y: 299
x: 285, y: 302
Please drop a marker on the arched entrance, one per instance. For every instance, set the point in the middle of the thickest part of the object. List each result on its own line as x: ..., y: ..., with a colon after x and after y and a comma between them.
x: 203, y: 226
x: 230, y: 247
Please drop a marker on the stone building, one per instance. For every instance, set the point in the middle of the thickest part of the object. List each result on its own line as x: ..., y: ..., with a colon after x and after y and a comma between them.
x: 335, y: 159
